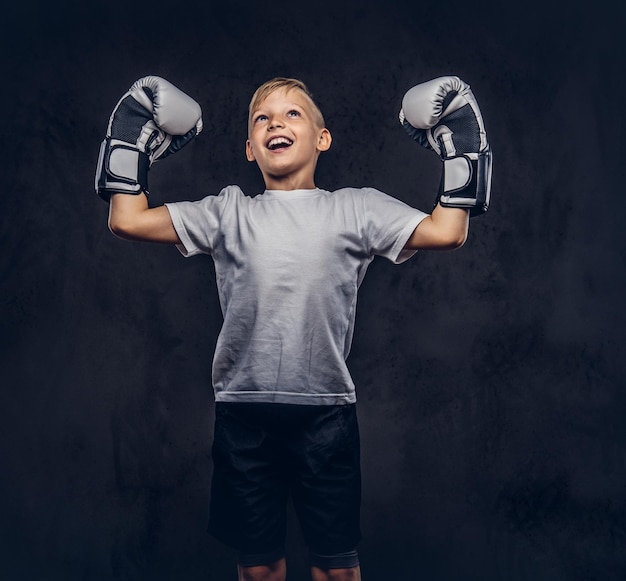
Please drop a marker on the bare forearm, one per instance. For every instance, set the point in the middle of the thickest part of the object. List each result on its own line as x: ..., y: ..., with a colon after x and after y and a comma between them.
x: 131, y: 218
x: 444, y: 229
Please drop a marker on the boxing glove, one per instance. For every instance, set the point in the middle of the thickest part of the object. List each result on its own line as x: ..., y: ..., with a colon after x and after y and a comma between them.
x: 443, y: 115
x: 151, y: 121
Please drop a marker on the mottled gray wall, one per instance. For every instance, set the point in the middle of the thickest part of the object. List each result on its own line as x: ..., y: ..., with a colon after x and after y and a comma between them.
x: 490, y: 379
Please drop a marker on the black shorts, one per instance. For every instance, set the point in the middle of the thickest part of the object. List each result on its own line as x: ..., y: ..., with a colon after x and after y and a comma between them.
x: 262, y: 453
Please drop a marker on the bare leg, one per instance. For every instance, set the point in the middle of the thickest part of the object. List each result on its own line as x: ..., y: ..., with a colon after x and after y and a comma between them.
x: 276, y: 571
x: 351, y: 574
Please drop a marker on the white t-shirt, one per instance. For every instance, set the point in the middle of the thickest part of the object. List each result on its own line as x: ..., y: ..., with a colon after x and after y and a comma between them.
x: 288, y: 267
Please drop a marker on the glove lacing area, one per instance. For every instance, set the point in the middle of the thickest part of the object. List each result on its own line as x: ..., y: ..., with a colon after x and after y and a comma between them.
x: 134, y: 125
x: 459, y: 134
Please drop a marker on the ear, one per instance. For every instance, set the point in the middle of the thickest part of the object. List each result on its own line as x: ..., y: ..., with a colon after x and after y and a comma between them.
x: 324, y: 140
x: 249, y: 153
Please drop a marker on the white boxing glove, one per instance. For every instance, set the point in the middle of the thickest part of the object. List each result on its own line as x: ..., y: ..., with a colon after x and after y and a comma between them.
x: 151, y: 121
x: 443, y: 115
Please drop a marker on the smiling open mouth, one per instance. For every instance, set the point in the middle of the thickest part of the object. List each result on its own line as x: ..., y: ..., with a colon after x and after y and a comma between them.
x: 279, y: 143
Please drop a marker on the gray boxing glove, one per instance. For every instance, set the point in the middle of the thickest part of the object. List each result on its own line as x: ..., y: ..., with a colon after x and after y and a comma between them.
x: 151, y: 121
x: 443, y: 115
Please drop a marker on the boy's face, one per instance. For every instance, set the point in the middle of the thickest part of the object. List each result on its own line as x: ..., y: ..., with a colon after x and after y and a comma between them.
x: 285, y: 141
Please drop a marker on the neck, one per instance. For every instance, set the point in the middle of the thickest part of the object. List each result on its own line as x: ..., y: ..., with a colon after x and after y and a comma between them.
x: 289, y: 185
x: 289, y: 182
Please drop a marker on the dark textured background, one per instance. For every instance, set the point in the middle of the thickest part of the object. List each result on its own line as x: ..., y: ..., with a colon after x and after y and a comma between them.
x: 490, y: 379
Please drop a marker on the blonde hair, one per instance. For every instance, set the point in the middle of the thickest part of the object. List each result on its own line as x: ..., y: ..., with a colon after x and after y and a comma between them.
x: 288, y: 84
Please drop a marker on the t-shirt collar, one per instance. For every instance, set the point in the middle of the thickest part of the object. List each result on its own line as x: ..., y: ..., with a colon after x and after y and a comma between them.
x: 290, y: 194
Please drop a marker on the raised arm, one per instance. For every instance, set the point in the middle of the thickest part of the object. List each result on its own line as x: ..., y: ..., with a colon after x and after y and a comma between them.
x: 151, y: 121
x: 443, y: 116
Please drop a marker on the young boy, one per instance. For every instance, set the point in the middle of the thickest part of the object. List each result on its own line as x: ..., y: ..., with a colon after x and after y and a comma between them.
x: 288, y: 265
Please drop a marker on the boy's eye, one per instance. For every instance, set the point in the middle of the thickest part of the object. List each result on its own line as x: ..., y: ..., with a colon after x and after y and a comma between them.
x: 293, y: 113
x: 260, y: 118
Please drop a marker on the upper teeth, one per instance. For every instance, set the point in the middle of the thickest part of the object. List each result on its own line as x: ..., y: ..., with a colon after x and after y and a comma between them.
x: 279, y: 141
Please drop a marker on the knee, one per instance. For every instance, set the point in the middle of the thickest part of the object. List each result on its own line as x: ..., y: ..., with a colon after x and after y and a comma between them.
x: 336, y: 566
x: 276, y: 571
x: 346, y: 574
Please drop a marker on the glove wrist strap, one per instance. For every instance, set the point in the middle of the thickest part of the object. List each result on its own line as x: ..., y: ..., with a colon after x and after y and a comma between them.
x: 466, y: 182
x: 121, y: 169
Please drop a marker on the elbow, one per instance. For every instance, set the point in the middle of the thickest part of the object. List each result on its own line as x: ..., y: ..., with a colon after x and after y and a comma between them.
x: 453, y: 240
x: 458, y: 236
x: 120, y: 228
x: 458, y: 241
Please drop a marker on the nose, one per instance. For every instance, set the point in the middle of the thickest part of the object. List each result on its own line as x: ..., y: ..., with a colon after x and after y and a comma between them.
x: 274, y: 123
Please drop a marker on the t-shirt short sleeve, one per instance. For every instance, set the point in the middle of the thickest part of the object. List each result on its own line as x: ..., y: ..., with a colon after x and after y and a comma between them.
x: 198, y: 223
x: 388, y: 224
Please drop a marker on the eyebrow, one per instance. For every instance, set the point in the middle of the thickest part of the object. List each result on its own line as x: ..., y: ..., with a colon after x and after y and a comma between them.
x: 260, y: 110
